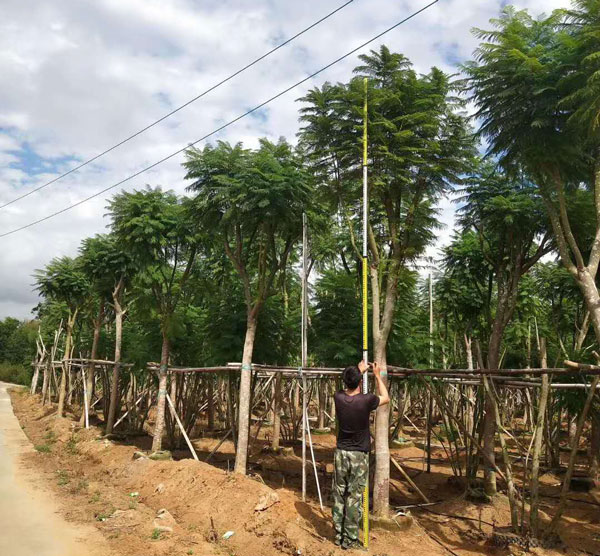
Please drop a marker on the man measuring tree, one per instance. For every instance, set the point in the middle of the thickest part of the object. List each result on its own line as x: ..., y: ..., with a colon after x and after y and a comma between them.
x: 351, y: 465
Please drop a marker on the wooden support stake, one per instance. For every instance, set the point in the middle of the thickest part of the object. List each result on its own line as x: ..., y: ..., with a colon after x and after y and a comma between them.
x: 189, y: 443
x: 214, y: 450
x: 127, y: 412
x: 85, y: 400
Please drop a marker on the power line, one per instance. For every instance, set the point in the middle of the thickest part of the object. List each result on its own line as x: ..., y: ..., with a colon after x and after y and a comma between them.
x: 220, y: 128
x: 168, y: 115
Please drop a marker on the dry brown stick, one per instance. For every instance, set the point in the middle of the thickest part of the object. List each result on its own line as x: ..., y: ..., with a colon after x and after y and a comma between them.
x: 408, y: 479
x: 582, y: 366
x: 437, y: 540
x: 464, y: 430
x: 214, y: 450
x: 572, y: 456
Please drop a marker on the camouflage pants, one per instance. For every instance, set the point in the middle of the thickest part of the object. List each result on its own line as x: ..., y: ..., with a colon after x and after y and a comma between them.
x: 351, y: 470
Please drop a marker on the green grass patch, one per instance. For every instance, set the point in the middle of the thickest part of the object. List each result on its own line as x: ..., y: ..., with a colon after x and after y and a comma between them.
x: 63, y: 477
x: 156, y: 534
x: 43, y: 448
x: 71, y: 445
x: 81, y: 485
x: 50, y: 437
x: 95, y: 498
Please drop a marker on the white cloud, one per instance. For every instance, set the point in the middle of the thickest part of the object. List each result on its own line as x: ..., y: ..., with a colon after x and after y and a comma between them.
x: 80, y: 76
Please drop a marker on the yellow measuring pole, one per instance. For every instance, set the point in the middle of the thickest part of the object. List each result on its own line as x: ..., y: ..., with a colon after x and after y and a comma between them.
x: 365, y: 319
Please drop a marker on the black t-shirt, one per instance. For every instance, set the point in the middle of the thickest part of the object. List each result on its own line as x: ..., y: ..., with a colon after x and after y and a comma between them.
x: 353, y: 419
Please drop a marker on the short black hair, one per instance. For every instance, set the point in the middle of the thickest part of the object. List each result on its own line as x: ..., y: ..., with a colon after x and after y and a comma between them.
x: 351, y: 377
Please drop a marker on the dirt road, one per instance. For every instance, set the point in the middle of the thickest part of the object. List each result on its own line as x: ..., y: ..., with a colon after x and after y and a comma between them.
x: 29, y: 522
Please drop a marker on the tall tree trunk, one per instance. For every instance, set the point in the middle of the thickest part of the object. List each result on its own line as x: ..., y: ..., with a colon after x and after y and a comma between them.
x: 382, y: 325
x: 511, y: 489
x: 537, y: 445
x: 159, y: 425
x: 66, y: 366
x: 277, y: 413
x: 241, y: 455
x: 92, y: 366
x: 381, y: 481
x: 489, y: 421
x: 585, y: 276
x: 114, y: 392
x: 469, y: 351
x: 489, y: 434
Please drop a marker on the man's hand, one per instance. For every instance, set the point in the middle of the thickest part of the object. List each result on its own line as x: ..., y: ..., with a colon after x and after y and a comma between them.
x: 384, y: 396
x: 376, y: 369
x: 362, y: 366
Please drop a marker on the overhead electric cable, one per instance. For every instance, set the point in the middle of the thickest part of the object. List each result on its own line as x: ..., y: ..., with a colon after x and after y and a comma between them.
x: 169, y: 114
x: 220, y: 128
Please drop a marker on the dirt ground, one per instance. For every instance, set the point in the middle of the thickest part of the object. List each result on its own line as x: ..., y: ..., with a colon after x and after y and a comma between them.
x: 30, y: 524
x: 99, y: 482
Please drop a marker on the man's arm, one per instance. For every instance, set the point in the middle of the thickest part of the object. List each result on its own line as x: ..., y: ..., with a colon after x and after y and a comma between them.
x: 382, y: 391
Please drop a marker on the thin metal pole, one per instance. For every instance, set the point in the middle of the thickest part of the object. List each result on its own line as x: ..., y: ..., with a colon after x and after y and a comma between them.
x: 365, y: 319
x: 304, y: 419
x: 430, y: 400
x: 304, y: 351
x: 312, y: 455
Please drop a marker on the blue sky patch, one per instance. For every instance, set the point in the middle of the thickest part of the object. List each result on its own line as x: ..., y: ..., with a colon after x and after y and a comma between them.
x: 32, y: 163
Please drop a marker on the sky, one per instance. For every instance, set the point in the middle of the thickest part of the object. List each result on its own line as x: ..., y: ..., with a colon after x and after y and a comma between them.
x: 79, y: 76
